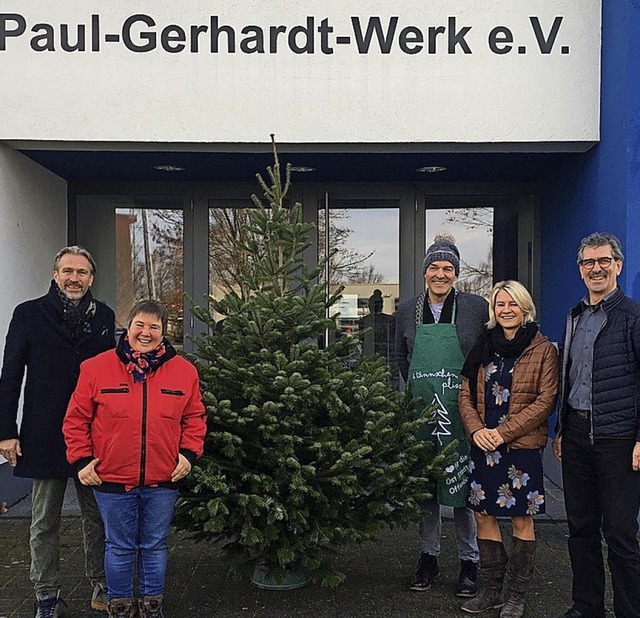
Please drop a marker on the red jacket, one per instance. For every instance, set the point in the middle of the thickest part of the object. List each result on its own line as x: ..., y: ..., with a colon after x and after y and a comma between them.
x: 135, y: 429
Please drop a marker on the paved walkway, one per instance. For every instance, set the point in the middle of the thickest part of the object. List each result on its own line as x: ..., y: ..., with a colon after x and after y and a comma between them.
x: 201, y: 582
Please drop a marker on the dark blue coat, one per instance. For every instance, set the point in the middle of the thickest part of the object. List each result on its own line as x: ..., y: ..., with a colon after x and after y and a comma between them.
x: 38, y: 341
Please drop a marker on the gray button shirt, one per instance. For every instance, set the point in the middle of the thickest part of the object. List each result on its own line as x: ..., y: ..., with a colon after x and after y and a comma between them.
x: 590, y: 323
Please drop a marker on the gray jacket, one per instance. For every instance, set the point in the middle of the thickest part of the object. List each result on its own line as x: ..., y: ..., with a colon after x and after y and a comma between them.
x: 471, y: 315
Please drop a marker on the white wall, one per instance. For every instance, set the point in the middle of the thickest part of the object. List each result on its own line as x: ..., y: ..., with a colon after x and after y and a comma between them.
x: 33, y: 228
x: 151, y: 71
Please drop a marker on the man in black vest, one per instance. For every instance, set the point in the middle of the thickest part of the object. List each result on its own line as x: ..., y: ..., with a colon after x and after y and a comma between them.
x: 598, y: 437
x: 49, y: 337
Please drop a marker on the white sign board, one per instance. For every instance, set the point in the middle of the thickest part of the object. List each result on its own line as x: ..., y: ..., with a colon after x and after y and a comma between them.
x: 319, y: 71
x: 347, y: 306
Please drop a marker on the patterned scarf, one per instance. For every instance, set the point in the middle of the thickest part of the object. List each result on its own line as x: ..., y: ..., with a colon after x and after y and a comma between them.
x: 75, y: 317
x: 141, y: 364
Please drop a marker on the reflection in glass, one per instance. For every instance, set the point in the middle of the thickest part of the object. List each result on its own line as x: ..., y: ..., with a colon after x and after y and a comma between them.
x: 226, y: 227
x: 363, y: 245
x: 149, y: 263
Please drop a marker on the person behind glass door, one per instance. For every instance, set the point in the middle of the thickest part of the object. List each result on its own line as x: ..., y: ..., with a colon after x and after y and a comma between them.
x: 134, y: 426
x: 379, y: 335
x: 508, y: 392
x: 434, y: 333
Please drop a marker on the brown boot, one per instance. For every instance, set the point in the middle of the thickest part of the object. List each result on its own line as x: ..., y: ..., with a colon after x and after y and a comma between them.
x: 493, y: 564
x: 121, y: 608
x: 519, y: 576
x: 151, y: 607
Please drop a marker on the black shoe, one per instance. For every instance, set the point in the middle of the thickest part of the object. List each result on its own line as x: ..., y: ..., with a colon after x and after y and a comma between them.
x: 468, y: 579
x: 425, y: 574
x: 48, y: 604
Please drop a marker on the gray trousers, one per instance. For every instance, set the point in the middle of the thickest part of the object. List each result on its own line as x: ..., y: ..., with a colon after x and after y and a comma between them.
x: 47, y: 499
x: 430, y: 532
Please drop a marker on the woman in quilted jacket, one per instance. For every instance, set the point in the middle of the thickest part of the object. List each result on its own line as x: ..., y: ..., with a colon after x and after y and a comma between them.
x: 509, y: 391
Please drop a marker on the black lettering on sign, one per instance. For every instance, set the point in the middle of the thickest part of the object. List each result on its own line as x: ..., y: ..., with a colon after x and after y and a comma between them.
x: 11, y: 25
x: 545, y: 43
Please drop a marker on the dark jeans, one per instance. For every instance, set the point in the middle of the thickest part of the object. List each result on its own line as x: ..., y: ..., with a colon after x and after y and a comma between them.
x: 602, y: 497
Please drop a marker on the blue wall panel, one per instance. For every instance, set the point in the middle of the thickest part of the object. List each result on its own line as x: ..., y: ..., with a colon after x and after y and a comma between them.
x: 632, y: 284
x: 598, y: 191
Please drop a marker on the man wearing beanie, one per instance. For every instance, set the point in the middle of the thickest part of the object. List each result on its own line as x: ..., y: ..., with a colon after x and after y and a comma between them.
x: 434, y: 333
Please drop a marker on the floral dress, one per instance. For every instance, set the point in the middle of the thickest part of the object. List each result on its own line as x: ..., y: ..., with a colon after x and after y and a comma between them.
x: 505, y: 482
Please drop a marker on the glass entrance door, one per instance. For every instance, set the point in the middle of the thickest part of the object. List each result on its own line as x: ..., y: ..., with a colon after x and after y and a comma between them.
x: 180, y: 242
x: 495, y: 236
x: 472, y: 229
x: 138, y: 245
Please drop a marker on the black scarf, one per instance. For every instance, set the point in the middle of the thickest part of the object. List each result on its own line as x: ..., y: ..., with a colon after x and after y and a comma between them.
x: 75, y: 317
x: 491, y: 342
x: 446, y: 317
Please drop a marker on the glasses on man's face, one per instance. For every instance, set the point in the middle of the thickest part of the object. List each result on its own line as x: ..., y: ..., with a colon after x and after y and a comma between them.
x: 589, y: 263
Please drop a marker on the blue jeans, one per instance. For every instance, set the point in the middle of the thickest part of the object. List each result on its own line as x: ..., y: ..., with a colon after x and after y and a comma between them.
x: 136, y: 524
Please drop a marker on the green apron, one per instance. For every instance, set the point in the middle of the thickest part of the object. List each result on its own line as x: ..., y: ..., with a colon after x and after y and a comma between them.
x: 434, y: 375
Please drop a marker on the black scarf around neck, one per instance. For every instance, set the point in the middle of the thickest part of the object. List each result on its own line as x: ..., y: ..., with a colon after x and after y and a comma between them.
x: 491, y: 342
x: 446, y: 317
x: 75, y: 317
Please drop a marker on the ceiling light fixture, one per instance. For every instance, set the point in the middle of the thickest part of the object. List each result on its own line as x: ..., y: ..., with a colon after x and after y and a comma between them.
x: 431, y: 169
x: 165, y: 167
x: 303, y: 169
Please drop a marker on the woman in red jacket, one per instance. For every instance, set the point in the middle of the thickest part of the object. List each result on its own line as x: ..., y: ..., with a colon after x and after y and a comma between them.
x: 509, y: 391
x: 134, y: 426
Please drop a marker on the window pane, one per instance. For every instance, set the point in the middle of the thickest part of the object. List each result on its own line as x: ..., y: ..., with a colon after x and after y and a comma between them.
x: 366, y: 262
x: 472, y: 229
x: 227, y: 224
x: 149, y: 263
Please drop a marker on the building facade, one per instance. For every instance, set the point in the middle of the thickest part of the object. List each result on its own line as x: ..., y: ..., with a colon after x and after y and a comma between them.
x: 136, y: 129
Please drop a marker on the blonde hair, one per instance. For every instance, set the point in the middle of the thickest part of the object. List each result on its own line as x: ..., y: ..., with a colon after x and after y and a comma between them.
x: 519, y: 293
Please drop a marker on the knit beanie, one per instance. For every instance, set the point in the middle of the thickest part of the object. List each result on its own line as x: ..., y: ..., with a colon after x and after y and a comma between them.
x: 443, y: 248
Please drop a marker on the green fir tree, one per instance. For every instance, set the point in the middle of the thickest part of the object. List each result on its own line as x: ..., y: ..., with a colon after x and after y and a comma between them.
x: 307, y: 447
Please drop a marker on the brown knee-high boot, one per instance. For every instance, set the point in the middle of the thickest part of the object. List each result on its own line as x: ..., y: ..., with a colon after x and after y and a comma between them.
x: 519, y: 576
x: 493, y: 563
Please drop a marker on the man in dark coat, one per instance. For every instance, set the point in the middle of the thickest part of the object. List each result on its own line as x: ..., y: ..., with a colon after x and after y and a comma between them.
x: 49, y: 337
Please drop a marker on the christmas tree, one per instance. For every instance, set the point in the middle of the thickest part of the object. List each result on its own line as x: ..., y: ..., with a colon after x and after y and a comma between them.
x: 307, y: 448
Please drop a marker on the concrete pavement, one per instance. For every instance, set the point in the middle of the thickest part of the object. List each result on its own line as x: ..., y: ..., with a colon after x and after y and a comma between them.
x: 202, y: 583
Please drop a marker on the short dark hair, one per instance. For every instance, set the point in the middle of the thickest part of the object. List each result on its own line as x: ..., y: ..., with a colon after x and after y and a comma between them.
x: 601, y: 239
x: 152, y: 307
x: 74, y: 250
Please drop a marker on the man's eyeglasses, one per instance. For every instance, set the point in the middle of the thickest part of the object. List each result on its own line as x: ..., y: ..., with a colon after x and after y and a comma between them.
x: 603, y: 262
